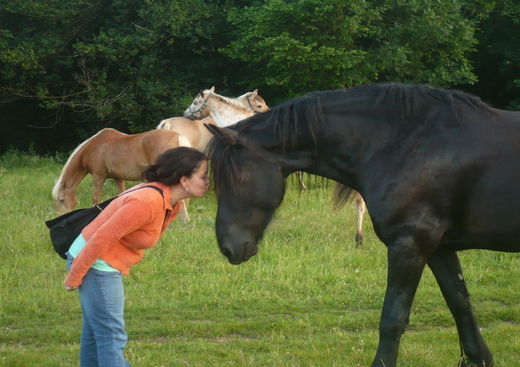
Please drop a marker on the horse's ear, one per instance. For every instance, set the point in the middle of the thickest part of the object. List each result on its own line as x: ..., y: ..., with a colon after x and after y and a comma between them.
x: 212, y: 89
x: 228, y: 136
x: 255, y: 92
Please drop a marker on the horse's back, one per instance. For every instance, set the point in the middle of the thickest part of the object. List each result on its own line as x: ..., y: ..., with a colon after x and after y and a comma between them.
x: 193, y: 130
x: 100, y: 144
x: 155, y: 142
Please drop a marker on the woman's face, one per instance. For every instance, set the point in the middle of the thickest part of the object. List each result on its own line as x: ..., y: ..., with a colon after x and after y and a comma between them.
x: 198, y: 183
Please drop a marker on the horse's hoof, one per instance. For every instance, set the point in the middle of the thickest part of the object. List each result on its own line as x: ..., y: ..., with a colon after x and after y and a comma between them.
x: 465, y: 362
x: 359, y: 239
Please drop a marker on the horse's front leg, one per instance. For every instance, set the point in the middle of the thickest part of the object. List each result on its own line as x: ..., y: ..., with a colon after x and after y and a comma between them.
x: 405, y: 267
x: 97, y: 182
x: 120, y: 185
x: 301, y: 180
x: 446, y: 268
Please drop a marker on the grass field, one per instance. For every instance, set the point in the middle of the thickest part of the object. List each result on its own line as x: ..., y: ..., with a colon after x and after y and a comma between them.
x: 309, y: 298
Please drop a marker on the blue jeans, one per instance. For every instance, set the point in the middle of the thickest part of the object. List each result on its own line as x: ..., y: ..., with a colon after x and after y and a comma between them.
x: 103, y: 337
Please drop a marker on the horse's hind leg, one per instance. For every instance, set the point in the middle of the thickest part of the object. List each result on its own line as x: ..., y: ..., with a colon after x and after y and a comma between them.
x: 97, y: 182
x: 360, y: 209
x: 184, y: 211
x: 445, y: 266
x: 300, y: 180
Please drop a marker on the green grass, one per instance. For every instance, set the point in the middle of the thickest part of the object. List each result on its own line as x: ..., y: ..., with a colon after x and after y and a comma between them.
x: 309, y: 298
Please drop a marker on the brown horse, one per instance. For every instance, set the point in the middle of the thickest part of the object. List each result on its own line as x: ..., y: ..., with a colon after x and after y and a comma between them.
x: 111, y: 154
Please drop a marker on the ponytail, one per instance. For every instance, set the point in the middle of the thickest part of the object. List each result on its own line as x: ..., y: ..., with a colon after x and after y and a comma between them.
x: 173, y: 164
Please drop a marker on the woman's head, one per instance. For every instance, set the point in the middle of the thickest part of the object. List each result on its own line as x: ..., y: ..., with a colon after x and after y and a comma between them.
x: 180, y: 166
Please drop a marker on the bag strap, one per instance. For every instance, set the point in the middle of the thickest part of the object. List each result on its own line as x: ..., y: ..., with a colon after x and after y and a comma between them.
x: 142, y: 187
x: 105, y: 203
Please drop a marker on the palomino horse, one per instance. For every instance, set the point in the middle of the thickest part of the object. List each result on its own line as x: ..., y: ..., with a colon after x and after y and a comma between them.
x: 439, y: 171
x: 226, y: 111
x: 195, y: 131
x: 223, y: 110
x: 111, y: 154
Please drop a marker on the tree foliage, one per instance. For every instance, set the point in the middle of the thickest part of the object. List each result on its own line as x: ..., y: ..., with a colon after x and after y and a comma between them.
x: 71, y: 67
x: 322, y: 44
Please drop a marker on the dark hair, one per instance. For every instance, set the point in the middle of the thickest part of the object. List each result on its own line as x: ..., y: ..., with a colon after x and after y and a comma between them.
x: 171, y: 165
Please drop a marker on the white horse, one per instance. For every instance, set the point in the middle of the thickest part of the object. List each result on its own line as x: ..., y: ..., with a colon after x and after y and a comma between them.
x: 225, y: 111
x: 234, y: 109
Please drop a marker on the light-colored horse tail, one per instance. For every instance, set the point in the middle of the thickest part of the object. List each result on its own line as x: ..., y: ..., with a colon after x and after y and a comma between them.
x: 72, y: 162
x: 184, y: 142
x: 164, y: 124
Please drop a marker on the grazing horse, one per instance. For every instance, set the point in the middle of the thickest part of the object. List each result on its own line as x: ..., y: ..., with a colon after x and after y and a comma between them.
x: 111, y: 154
x: 438, y: 169
x: 233, y: 108
x: 225, y: 111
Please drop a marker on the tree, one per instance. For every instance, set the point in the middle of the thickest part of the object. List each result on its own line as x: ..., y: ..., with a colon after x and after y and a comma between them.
x: 88, y: 64
x: 497, y: 60
x: 302, y: 45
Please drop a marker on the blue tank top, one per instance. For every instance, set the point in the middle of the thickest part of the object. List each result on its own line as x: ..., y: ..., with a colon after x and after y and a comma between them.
x: 99, y: 264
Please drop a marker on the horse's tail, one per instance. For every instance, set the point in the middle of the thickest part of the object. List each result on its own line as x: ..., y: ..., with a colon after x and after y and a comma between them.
x: 342, y: 194
x: 184, y: 142
x: 164, y: 124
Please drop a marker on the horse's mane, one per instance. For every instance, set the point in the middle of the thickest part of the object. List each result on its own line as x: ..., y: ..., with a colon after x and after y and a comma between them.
x: 287, y: 120
x: 284, y: 121
x: 408, y: 99
x: 230, y: 101
x: 70, y: 161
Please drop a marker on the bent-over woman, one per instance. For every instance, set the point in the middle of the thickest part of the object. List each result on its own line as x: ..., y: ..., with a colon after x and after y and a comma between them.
x: 116, y: 240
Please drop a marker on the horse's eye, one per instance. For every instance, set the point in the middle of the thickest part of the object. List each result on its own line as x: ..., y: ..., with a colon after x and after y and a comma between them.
x: 62, y: 200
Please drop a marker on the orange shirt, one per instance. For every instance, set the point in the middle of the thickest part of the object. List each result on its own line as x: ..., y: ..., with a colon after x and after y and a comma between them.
x: 119, y: 235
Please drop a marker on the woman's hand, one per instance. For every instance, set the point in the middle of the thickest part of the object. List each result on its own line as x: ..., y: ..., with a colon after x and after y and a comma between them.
x: 68, y: 287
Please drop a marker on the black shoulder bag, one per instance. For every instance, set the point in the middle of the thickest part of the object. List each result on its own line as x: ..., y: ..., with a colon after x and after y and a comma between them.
x: 67, y: 227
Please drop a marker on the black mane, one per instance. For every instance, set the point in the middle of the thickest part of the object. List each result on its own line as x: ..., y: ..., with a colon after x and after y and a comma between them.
x: 286, y: 120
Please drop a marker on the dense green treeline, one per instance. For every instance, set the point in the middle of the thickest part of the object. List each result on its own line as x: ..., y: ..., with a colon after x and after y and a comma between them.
x: 71, y: 67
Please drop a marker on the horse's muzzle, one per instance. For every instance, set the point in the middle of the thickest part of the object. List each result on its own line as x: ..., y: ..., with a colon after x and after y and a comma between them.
x: 239, y: 254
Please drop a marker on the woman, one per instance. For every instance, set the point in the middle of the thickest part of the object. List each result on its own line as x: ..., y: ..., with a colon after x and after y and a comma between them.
x: 115, y: 241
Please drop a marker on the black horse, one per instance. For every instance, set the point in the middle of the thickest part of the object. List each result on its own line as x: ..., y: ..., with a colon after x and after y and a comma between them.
x: 438, y: 169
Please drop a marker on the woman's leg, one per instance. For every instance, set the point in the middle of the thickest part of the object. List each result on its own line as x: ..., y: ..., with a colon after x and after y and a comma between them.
x: 88, y: 349
x: 102, y: 302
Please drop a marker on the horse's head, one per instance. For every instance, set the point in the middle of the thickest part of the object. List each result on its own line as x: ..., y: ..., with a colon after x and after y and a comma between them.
x: 197, y: 109
x: 64, y: 200
x: 255, y: 102
x: 250, y: 185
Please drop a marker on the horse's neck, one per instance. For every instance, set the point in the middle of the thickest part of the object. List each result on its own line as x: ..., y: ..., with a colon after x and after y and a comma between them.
x: 72, y: 173
x: 226, y: 114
